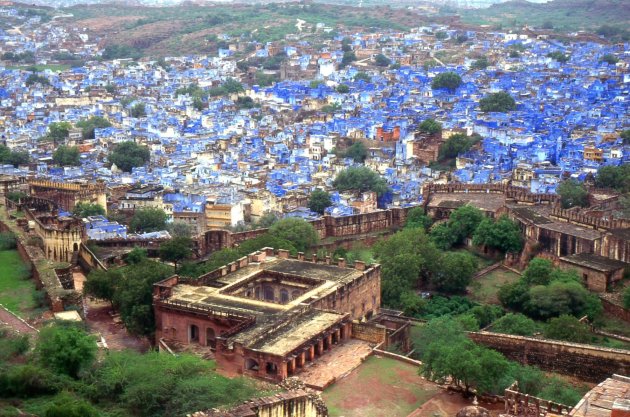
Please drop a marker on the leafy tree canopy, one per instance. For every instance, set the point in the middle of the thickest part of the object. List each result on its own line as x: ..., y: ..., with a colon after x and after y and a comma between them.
x: 502, y: 234
x: 357, y: 151
x: 176, y: 250
x: 615, y: 177
x: 417, y: 218
x: 66, y: 349
x: 148, y: 219
x: 500, y: 102
x: 128, y: 155
x: 572, y: 194
x: 297, y: 231
x: 430, y: 126
x: 568, y: 328
x: 67, y: 156
x: 94, y: 122
x: 319, y: 201
x: 446, y: 80
x: 360, y: 179
x: 515, y: 323
x: 456, y: 144
x: 381, y: 60
x: 85, y: 209
x: 15, y: 158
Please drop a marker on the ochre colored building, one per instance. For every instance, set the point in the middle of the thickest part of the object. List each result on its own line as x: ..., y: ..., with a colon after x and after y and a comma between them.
x: 266, y: 315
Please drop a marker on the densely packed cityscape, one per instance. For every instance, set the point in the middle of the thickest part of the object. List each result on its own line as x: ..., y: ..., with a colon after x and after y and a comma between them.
x: 328, y: 211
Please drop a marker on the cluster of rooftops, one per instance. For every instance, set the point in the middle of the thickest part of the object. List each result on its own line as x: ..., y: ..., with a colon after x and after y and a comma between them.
x: 566, y: 123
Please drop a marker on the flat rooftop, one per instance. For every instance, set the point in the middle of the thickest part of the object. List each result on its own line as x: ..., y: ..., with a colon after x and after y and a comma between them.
x: 599, y: 401
x: 483, y: 201
x: 595, y: 262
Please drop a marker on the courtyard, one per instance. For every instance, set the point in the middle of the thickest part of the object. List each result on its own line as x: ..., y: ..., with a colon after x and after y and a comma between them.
x: 380, y: 387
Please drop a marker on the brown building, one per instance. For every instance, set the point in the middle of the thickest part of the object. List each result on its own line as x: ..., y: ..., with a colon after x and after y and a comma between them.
x: 67, y: 195
x: 598, y: 273
x: 266, y: 314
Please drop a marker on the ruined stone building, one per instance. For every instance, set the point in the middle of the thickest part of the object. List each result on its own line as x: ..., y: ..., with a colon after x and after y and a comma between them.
x: 267, y: 315
x: 67, y: 195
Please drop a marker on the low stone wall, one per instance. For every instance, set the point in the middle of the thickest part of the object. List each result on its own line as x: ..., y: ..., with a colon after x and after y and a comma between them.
x: 589, y: 363
x: 615, y: 310
x: 88, y: 261
x: 371, y: 333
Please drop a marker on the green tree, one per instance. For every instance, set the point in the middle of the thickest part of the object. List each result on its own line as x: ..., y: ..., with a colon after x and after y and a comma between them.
x: 127, y: 155
x: 319, y: 201
x: 502, y: 234
x: 406, y: 257
x: 515, y: 323
x: 348, y: 58
x: 362, y: 76
x: 357, y: 151
x: 176, y: 250
x: 568, y: 328
x: 342, y: 89
x: 486, y: 314
x: 133, y: 295
x: 67, y: 156
x: 538, y: 272
x: 148, y: 219
x: 455, y: 145
x: 572, y: 194
x: 85, y: 209
x: 66, y: 349
x: 625, y: 135
x: 455, y: 272
x: 443, y: 236
x: 480, y: 64
x: 381, y: 60
x: 430, y: 126
x: 58, y: 131
x: 464, y: 221
x: 297, y: 231
x: 417, y: 218
x: 139, y: 110
x: 515, y: 295
x: 560, y: 298
x: 360, y: 179
x: 446, y: 80
x: 610, y: 59
x: 15, y: 158
x: 441, y: 35
x: 500, y: 102
x: 615, y: 177
x: 180, y: 229
x: 558, y: 56
x: 101, y: 284
x: 94, y: 122
x: 136, y: 255
x: 37, y: 79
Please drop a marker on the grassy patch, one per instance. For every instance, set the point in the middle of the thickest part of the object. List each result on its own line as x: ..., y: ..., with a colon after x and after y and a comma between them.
x: 484, y: 289
x: 393, y: 389
x: 16, y: 289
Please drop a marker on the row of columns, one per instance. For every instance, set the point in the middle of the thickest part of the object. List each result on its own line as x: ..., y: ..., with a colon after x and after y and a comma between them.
x: 316, y: 349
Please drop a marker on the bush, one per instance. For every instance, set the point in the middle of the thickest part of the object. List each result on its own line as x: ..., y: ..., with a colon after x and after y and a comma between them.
x: 66, y: 349
x: 515, y: 323
x: 297, y: 231
x: 8, y: 241
x: 568, y: 328
x: 626, y: 298
x: 64, y: 405
x: 128, y: 155
x: 27, y: 381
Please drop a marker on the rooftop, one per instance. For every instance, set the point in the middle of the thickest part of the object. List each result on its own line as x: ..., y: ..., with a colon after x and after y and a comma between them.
x: 596, y: 262
x: 599, y: 401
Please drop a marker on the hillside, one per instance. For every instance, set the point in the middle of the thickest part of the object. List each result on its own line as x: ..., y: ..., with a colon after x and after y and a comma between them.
x: 166, y: 30
x: 563, y: 15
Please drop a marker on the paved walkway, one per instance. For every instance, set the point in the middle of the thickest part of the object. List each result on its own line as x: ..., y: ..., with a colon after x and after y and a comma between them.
x: 334, y: 364
x: 14, y: 322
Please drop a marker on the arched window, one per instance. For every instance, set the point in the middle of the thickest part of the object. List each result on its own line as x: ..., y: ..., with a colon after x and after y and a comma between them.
x: 269, y: 293
x: 251, y: 365
x: 284, y: 296
x: 295, y: 294
x: 193, y: 333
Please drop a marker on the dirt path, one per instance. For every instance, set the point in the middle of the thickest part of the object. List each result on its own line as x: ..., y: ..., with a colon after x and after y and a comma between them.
x: 15, y: 322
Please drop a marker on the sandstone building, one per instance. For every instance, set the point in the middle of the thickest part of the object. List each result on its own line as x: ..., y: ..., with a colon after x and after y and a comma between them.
x: 266, y: 315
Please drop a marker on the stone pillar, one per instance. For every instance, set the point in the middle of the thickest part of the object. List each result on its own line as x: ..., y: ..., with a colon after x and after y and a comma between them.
x: 301, y: 359
x: 291, y: 366
x: 300, y: 256
x: 329, y: 341
x: 282, y: 371
x: 320, y: 346
x: 338, y: 335
x: 311, y: 352
x: 347, y: 334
